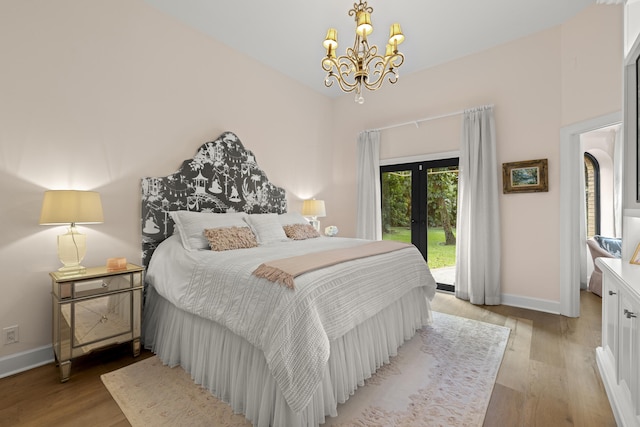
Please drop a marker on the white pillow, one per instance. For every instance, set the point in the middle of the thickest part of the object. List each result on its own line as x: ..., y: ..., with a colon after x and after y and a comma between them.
x: 289, y: 218
x: 191, y: 226
x: 267, y: 228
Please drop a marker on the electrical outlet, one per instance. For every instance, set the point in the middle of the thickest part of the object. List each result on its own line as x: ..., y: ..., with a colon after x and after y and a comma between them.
x: 11, y: 335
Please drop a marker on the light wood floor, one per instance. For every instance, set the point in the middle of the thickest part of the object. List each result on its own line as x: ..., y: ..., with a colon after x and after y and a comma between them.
x: 548, y: 376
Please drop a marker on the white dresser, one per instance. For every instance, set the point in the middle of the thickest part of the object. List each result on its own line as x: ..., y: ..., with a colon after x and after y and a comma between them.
x: 619, y: 357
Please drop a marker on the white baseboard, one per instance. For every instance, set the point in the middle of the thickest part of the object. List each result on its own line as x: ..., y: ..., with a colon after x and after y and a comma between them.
x: 25, y: 360
x: 537, y: 304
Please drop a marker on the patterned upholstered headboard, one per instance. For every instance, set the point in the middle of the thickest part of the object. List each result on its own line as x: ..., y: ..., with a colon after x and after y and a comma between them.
x: 223, y: 176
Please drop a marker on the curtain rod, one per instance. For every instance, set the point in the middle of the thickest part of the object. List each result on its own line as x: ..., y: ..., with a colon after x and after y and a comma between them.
x: 426, y: 119
x: 416, y: 122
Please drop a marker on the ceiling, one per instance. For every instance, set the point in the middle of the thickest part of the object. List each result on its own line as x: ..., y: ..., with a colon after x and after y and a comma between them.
x: 287, y: 35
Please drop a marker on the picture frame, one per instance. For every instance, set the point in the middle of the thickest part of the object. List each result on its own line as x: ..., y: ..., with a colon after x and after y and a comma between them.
x: 529, y: 176
x: 635, y: 259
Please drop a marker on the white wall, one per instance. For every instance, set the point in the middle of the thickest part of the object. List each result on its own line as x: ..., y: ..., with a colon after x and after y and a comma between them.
x: 537, y: 84
x: 97, y: 95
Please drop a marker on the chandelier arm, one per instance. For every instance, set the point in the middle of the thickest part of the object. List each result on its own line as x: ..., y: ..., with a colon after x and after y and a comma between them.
x: 384, y: 68
x: 379, y: 75
x: 356, y: 43
x: 392, y: 78
x: 391, y: 62
x: 347, y: 63
x: 345, y: 71
x: 370, y: 55
x: 344, y: 85
x: 377, y: 65
x: 338, y: 69
x: 396, y: 60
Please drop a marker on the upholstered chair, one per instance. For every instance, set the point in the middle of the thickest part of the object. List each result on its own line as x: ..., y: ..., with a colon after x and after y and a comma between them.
x: 597, y: 250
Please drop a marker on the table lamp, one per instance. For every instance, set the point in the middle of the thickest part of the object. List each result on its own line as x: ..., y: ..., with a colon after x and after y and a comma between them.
x: 71, y: 207
x: 314, y: 208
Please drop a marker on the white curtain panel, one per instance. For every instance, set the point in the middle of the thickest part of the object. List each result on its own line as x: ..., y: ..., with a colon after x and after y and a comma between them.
x: 478, y: 221
x: 369, y: 215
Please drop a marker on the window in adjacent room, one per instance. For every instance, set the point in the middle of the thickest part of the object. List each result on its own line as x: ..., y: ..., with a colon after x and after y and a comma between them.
x: 592, y: 194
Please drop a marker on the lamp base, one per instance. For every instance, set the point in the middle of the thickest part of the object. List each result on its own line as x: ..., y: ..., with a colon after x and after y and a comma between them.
x: 315, y: 223
x: 72, y: 248
x: 72, y: 270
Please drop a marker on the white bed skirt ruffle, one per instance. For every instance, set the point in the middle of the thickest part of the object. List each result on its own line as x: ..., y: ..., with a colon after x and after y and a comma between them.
x: 237, y: 372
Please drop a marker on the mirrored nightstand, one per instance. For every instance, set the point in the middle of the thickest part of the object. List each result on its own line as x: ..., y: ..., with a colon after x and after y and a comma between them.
x: 93, y: 310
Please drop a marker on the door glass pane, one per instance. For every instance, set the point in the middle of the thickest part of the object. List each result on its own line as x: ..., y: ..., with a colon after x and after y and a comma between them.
x: 419, y: 206
x: 442, y: 207
x: 396, y: 206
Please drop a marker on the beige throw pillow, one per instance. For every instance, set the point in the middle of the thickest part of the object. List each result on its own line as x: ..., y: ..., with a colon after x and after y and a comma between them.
x: 228, y: 238
x: 300, y: 231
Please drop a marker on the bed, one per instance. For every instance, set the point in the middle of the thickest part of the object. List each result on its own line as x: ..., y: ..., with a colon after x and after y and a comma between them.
x: 283, y: 349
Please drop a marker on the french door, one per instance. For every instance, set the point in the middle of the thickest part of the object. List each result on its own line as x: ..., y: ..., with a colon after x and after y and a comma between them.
x: 419, y: 206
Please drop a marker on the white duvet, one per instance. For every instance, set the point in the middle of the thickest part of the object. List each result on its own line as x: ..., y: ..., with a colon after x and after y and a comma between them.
x: 292, y: 327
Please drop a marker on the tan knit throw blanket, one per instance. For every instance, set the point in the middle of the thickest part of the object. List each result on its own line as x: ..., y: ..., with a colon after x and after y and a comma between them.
x: 284, y: 270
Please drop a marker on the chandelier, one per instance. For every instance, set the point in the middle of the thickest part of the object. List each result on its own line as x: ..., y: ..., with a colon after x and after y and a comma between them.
x: 362, y: 67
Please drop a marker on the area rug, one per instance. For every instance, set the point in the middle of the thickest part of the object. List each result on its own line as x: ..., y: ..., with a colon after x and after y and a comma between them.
x: 443, y: 376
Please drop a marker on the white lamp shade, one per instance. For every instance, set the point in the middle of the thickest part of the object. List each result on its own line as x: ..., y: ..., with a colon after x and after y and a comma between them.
x: 71, y: 207
x: 314, y: 208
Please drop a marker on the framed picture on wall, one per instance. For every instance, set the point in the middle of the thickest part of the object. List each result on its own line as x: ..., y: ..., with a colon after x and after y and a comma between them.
x: 635, y: 259
x: 529, y: 176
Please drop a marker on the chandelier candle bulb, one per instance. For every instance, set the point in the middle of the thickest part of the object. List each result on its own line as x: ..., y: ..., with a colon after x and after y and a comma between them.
x: 364, y: 24
x: 331, y: 41
x: 331, y: 55
x: 388, y: 52
x: 395, y: 35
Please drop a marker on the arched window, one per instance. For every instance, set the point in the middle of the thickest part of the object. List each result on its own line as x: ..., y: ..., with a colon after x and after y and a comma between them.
x: 592, y: 194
